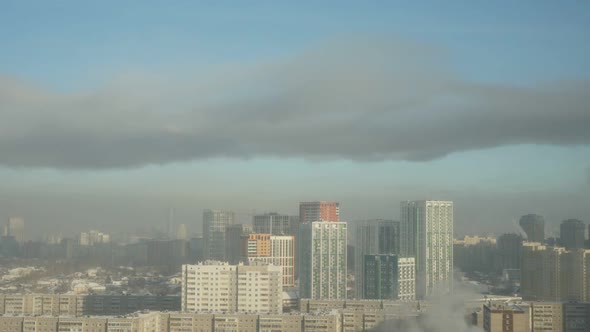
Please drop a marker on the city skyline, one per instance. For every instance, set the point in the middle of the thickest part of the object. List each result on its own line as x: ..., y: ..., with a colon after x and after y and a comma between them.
x: 113, y: 117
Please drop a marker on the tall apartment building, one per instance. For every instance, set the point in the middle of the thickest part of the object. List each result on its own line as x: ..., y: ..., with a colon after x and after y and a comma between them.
x: 554, y: 273
x: 376, y: 236
x: 15, y: 227
x: 322, y: 260
x: 219, y: 287
x: 389, y: 277
x: 214, y: 226
x: 534, y: 227
x: 572, y: 234
x: 181, y: 232
x: 509, y: 248
x: 278, y: 250
x: 234, y: 252
x: 427, y: 235
x: 319, y: 211
x: 93, y: 237
x: 275, y: 224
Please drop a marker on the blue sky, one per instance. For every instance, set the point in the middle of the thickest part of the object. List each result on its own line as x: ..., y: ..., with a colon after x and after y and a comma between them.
x: 67, y: 47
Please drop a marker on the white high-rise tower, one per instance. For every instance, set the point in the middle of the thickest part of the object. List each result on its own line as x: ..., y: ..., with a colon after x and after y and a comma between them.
x: 427, y: 235
x: 322, y: 260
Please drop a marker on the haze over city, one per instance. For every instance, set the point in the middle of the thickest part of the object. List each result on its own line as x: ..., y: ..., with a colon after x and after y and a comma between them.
x: 114, y: 113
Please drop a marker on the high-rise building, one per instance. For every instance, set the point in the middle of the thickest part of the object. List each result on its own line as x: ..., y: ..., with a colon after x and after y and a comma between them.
x: 572, y: 234
x: 554, y: 273
x: 427, y: 235
x: 275, y: 224
x: 474, y: 253
x: 93, y: 237
x: 181, y: 232
x: 215, y: 286
x: 278, y: 250
x: 214, y: 226
x: 509, y: 247
x: 319, y: 211
x: 534, y: 227
x: 15, y: 227
x: 389, y: 277
x: 376, y: 236
x: 322, y: 260
x: 195, y: 245
x: 234, y: 252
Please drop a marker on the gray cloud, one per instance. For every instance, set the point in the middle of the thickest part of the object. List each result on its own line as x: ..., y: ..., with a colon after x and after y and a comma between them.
x: 368, y: 100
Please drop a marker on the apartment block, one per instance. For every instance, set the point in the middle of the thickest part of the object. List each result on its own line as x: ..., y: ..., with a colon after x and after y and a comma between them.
x: 554, y: 273
x: 389, y: 277
x: 427, y: 235
x: 214, y: 286
x: 500, y: 317
x: 322, y: 260
x: 78, y: 305
x: 319, y: 211
x: 278, y: 250
x: 376, y: 236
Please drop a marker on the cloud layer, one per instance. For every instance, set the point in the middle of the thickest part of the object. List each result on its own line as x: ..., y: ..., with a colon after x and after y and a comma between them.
x: 359, y: 100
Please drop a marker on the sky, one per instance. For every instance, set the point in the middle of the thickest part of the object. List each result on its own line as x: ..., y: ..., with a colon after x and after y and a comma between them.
x: 113, y: 113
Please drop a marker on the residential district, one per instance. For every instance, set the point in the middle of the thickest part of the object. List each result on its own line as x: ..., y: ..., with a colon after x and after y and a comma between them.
x: 310, y: 272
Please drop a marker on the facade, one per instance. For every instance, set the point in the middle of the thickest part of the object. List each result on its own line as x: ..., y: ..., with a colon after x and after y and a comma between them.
x: 319, y: 211
x: 376, y: 236
x: 178, y: 322
x: 427, y: 235
x: 509, y: 248
x: 322, y: 260
x: 474, y: 253
x: 572, y: 234
x: 15, y: 227
x: 93, y: 237
x: 534, y: 227
x: 182, y: 232
x: 506, y: 318
x: 78, y: 305
x: 275, y: 224
x: 576, y: 317
x: 214, y: 226
x: 219, y: 287
x: 546, y: 316
x: 234, y: 250
x: 554, y: 273
x: 273, y: 249
x: 389, y: 277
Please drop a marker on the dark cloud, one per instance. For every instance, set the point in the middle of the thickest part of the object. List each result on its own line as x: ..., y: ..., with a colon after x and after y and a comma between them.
x: 367, y: 100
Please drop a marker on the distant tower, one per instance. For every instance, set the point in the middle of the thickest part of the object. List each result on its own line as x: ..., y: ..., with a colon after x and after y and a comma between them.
x: 181, y: 232
x: 572, y: 234
x: 374, y: 237
x: 214, y: 228
x: 15, y: 227
x: 319, y: 211
x: 234, y: 252
x: 427, y: 235
x: 534, y: 227
x: 275, y: 224
x: 509, y: 247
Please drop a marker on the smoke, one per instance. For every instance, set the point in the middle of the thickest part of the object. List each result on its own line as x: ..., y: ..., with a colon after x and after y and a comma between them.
x: 444, y: 313
x: 358, y: 100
